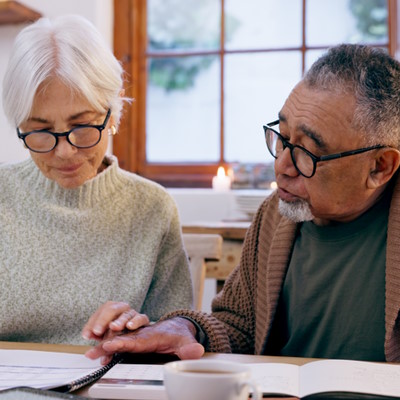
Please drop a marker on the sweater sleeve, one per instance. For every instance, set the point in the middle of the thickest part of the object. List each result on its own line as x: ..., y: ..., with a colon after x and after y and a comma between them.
x: 171, y: 286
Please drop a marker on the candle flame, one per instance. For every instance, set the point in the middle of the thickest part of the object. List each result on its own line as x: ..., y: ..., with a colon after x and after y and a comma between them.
x: 221, y: 171
x: 273, y: 185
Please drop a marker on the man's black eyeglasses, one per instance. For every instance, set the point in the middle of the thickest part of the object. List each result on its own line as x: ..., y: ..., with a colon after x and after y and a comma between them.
x: 304, y: 161
x: 82, y: 137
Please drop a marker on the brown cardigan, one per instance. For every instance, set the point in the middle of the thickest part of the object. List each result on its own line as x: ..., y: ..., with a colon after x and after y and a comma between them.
x: 244, y: 310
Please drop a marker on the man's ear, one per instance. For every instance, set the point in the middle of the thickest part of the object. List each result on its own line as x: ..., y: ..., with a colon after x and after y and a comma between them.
x: 384, y: 166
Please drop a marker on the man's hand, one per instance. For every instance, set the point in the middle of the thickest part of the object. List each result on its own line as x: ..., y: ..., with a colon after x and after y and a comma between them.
x: 174, y: 336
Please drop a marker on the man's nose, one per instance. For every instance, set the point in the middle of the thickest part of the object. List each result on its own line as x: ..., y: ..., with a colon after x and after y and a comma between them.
x: 284, y: 164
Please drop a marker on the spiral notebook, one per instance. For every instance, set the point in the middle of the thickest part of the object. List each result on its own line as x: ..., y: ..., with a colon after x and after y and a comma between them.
x: 62, y: 372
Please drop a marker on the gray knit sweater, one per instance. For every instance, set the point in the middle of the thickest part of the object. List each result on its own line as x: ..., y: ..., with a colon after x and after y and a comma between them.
x: 64, y: 252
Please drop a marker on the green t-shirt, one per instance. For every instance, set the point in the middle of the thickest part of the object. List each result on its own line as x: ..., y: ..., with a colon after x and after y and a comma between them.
x: 332, y: 304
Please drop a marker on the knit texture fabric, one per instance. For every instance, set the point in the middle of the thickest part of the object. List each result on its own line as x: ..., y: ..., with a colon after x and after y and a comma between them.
x: 244, y: 310
x: 64, y: 252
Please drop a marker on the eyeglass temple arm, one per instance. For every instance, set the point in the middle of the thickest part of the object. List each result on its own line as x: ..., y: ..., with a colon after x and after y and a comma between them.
x: 349, y: 153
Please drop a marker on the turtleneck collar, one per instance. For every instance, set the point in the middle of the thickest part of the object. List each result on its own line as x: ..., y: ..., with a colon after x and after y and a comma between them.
x: 89, y: 194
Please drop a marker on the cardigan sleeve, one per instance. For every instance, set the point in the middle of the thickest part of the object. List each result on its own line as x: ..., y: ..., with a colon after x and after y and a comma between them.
x: 231, y: 326
x: 235, y: 304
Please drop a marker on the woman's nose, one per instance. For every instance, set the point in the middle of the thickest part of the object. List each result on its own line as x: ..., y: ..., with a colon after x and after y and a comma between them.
x: 64, y: 149
x: 284, y: 164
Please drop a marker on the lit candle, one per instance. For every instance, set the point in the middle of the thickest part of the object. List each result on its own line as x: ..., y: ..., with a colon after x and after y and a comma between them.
x: 221, y: 182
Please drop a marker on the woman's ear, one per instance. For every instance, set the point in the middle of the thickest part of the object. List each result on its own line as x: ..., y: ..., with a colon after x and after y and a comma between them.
x: 112, y: 130
x: 384, y: 166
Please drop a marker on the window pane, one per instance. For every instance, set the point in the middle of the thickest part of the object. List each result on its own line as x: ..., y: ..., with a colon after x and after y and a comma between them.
x: 183, y: 106
x: 312, y: 56
x: 351, y: 21
x: 253, y: 24
x: 183, y: 24
x: 256, y: 86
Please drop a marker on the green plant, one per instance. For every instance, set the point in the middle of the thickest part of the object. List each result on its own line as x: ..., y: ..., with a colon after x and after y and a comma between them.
x: 179, y: 25
x: 371, y: 17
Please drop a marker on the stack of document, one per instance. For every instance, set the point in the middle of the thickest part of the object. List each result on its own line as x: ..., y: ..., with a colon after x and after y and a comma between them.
x: 48, y: 370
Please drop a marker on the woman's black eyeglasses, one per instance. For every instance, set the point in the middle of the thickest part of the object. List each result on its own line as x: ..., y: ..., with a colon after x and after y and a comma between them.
x: 82, y: 137
x: 304, y: 161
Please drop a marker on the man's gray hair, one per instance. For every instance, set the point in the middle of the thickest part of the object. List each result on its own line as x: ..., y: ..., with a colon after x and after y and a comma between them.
x: 373, y: 77
x: 68, y: 48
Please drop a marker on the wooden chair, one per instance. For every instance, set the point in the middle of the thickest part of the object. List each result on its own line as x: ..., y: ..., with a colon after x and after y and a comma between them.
x: 200, y: 248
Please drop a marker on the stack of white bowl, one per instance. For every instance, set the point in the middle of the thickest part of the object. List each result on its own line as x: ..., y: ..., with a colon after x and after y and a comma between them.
x: 248, y: 201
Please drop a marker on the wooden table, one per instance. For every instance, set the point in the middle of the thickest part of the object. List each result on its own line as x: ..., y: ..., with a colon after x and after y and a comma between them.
x: 233, y: 230
x: 233, y: 234
x: 241, y: 358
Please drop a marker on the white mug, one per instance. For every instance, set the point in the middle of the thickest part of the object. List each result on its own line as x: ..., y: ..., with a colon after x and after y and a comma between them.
x: 208, y: 379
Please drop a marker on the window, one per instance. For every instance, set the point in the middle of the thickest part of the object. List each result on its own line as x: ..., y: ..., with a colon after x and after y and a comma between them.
x: 206, y: 75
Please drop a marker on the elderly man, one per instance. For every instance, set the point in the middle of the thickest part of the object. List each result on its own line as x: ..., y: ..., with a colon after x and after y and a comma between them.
x: 320, y: 269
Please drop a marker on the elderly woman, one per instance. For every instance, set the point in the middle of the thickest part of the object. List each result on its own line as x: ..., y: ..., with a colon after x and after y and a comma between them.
x: 76, y: 231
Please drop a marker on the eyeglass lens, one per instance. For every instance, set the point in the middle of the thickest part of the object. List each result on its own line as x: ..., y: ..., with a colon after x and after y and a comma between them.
x: 301, y: 160
x: 82, y: 137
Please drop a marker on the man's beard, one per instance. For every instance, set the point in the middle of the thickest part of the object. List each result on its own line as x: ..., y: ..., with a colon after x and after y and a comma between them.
x: 297, y: 211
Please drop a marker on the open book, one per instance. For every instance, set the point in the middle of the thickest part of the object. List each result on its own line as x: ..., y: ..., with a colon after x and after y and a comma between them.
x: 48, y: 370
x: 325, y: 377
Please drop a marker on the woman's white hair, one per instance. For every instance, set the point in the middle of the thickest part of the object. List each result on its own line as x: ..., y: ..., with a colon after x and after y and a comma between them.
x: 68, y: 48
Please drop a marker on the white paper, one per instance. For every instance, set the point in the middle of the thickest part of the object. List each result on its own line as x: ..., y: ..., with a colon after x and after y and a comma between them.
x: 275, y: 378
x: 350, y: 376
x: 42, y: 369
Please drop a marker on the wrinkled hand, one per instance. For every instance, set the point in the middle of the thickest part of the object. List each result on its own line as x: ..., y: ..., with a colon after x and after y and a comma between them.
x: 172, y: 336
x: 112, y: 318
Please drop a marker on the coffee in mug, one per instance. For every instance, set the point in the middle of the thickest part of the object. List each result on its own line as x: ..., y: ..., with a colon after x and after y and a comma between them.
x: 208, y: 379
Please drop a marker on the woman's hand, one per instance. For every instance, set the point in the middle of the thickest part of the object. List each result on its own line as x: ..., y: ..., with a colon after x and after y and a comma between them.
x: 111, y: 319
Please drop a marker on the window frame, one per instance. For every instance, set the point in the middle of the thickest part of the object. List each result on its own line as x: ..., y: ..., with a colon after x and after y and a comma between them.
x: 130, y: 38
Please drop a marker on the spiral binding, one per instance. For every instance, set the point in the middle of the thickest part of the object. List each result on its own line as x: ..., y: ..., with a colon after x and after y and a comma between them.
x: 77, y: 384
